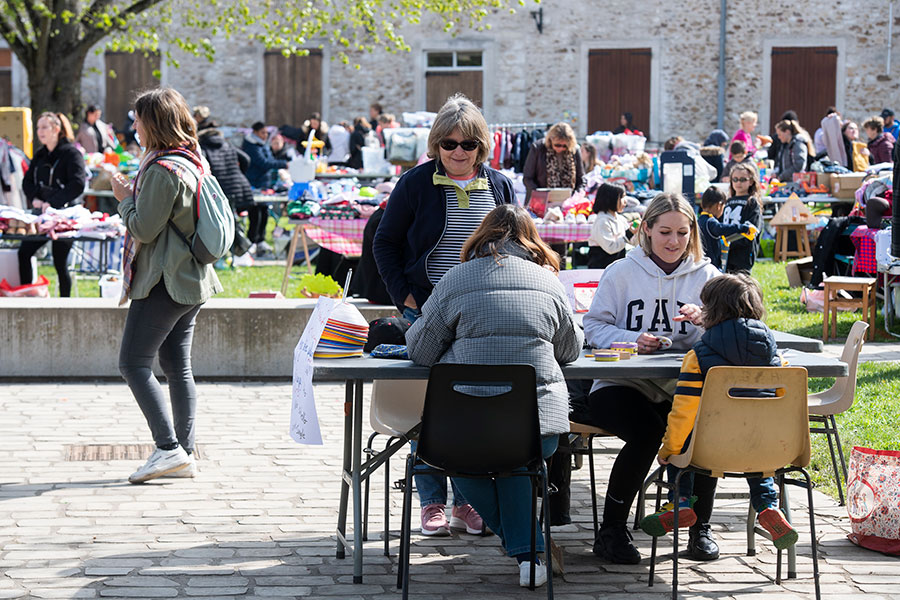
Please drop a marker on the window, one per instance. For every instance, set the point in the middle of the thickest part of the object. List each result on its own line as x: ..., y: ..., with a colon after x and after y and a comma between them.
x: 450, y: 72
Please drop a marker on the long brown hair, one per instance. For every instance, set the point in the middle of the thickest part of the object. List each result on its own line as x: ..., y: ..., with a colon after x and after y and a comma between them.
x: 753, y: 191
x: 731, y: 296
x: 60, y: 120
x: 167, y: 120
x: 508, y: 223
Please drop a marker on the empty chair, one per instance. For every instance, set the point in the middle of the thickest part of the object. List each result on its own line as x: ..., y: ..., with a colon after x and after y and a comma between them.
x: 395, y: 409
x: 835, y: 400
x: 748, y: 436
x: 480, y: 422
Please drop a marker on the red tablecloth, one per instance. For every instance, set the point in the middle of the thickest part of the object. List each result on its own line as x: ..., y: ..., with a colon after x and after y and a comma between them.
x: 864, y: 257
x: 344, y: 236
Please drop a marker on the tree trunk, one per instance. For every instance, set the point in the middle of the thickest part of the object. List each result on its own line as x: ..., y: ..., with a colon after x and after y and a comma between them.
x: 57, y: 87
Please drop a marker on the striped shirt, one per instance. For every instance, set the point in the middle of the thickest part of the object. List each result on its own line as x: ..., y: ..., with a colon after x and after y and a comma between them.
x: 460, y: 224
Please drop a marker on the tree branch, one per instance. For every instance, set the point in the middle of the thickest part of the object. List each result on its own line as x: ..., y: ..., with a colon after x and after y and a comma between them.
x: 96, y: 7
x: 95, y: 34
x: 12, y: 38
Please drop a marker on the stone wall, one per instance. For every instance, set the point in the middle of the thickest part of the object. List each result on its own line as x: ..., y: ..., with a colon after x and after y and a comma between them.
x: 542, y: 77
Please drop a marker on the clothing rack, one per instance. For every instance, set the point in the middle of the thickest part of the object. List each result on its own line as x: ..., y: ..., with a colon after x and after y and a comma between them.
x: 513, y: 125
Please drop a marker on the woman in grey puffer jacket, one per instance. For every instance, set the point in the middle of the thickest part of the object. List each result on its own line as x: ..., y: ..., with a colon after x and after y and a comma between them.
x: 505, y: 305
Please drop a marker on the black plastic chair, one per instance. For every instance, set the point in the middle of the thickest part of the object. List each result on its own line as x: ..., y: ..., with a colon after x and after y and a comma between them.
x: 479, y: 421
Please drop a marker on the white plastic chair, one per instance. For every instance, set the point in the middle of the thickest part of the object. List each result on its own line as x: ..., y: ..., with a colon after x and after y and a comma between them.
x: 836, y: 399
x: 395, y: 408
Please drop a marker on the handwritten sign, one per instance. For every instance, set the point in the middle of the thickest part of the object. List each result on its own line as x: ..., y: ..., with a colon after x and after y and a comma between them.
x: 304, y: 420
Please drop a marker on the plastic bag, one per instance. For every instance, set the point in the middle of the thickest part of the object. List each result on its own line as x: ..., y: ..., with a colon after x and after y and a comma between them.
x: 38, y: 289
x: 873, y: 499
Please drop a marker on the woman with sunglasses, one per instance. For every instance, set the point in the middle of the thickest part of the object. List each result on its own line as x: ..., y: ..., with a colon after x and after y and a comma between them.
x: 554, y: 162
x: 743, y: 206
x: 432, y: 211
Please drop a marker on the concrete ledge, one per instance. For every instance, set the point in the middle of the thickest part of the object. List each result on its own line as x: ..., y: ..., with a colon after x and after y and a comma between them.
x: 237, y: 338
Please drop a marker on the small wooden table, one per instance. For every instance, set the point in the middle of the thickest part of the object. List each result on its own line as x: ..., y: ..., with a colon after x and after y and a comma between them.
x: 782, y: 235
x: 868, y: 303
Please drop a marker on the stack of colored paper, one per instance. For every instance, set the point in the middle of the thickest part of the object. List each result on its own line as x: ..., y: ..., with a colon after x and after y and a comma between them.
x: 345, y: 333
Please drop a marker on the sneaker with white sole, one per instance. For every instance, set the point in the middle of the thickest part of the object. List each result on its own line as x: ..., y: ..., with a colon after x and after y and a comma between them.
x: 189, y: 471
x: 466, y: 518
x: 161, y: 462
x: 434, y: 520
x: 540, y: 574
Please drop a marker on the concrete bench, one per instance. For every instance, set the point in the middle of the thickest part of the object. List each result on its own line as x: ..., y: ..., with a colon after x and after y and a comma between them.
x: 235, y: 338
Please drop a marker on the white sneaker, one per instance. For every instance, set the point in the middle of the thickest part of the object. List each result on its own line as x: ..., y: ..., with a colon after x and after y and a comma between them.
x: 160, y: 463
x: 189, y: 471
x: 540, y: 574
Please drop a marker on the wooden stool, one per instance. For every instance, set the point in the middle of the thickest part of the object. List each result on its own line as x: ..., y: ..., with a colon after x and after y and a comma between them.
x: 868, y: 303
x: 782, y: 234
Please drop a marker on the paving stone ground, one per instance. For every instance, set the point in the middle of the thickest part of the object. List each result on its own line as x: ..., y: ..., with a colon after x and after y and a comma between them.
x: 258, y: 522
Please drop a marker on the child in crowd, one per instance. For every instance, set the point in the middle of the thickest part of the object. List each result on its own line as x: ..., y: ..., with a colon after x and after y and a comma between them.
x: 610, y: 231
x: 712, y: 205
x: 743, y: 206
x: 738, y: 156
x: 735, y: 335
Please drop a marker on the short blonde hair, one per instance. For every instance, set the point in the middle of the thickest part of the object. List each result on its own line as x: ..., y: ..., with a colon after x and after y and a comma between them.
x: 167, y: 120
x: 662, y: 204
x: 561, y: 131
x: 458, y: 112
x: 749, y: 115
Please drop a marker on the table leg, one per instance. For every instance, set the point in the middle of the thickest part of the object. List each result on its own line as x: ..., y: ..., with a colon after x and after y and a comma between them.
x: 289, y: 261
x: 303, y: 240
x: 345, y: 468
x: 356, y: 482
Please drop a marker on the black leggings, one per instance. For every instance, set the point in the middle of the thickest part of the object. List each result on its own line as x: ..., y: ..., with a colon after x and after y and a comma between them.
x: 640, y: 423
x: 259, y: 217
x: 60, y: 250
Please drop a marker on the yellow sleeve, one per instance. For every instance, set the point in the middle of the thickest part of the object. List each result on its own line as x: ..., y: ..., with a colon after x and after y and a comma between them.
x: 684, y: 406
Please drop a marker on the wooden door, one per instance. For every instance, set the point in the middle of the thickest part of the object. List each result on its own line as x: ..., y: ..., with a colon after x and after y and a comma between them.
x: 619, y: 82
x: 5, y: 77
x: 440, y: 85
x: 803, y: 80
x: 293, y: 87
x: 127, y: 74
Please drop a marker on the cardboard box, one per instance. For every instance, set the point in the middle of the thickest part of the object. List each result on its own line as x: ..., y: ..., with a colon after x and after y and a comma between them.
x: 799, y: 272
x: 824, y: 179
x: 844, y: 185
x: 15, y: 125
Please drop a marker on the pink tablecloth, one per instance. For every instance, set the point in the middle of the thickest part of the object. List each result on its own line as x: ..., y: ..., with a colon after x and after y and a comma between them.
x: 344, y: 236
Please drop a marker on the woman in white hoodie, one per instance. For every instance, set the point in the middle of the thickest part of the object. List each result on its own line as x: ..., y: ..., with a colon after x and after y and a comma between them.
x: 654, y: 292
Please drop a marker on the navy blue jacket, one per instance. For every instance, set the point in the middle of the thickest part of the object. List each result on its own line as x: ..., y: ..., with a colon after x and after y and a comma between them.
x: 412, y: 226
x: 261, y: 160
x: 711, y: 229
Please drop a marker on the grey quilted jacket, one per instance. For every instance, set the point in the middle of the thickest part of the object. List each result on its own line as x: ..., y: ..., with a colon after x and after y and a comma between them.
x: 515, y: 312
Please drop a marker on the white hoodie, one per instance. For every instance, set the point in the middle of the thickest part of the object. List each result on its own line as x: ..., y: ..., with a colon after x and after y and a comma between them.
x: 635, y: 296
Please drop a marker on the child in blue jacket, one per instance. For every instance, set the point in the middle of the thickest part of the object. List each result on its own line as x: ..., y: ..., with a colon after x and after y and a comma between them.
x: 712, y: 205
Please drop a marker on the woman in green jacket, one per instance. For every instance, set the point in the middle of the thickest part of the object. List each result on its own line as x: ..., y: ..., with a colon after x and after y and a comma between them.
x: 166, y: 284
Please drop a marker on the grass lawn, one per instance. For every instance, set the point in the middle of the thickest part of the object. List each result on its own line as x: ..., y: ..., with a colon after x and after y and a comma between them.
x: 873, y: 421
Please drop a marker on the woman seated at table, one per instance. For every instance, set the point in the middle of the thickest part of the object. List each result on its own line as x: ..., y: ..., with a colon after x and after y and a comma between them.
x: 649, y: 297
x: 55, y: 179
x: 502, y: 305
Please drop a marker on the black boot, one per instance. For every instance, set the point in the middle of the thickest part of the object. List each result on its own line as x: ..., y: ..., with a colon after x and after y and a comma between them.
x: 701, y: 545
x: 560, y: 476
x: 613, y: 543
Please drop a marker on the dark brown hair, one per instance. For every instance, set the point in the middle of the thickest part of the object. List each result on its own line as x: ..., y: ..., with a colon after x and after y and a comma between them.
x: 753, y: 190
x: 508, y: 223
x: 731, y: 296
x: 607, y: 198
x: 167, y: 120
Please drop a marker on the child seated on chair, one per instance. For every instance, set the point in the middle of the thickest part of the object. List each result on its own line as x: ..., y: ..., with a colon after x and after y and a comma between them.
x: 712, y: 205
x: 735, y: 336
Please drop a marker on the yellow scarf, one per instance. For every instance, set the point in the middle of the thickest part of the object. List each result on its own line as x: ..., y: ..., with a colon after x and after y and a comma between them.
x: 462, y: 196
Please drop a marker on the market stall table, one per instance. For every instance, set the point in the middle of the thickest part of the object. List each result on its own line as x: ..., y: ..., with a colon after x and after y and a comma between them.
x: 354, y: 372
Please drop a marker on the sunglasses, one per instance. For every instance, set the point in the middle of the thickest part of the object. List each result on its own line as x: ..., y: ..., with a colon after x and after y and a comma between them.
x: 740, y: 179
x: 467, y: 145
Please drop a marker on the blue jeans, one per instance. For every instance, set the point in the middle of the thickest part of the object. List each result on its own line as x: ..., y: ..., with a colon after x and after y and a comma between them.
x: 505, y: 505
x: 432, y: 488
x: 411, y: 314
x: 763, y: 493
x: 157, y: 325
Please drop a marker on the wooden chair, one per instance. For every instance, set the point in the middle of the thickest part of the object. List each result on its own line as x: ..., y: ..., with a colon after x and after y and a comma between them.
x: 823, y: 406
x: 868, y: 303
x: 739, y: 436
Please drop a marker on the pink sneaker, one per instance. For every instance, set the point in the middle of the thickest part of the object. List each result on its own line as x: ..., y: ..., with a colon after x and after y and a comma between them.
x: 465, y: 517
x: 434, y: 521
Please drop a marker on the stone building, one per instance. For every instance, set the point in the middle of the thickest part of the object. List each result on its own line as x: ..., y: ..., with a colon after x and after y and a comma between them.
x: 583, y: 61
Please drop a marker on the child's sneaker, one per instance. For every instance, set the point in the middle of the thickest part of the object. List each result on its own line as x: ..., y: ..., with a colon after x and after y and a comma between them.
x: 663, y: 521
x: 783, y: 534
